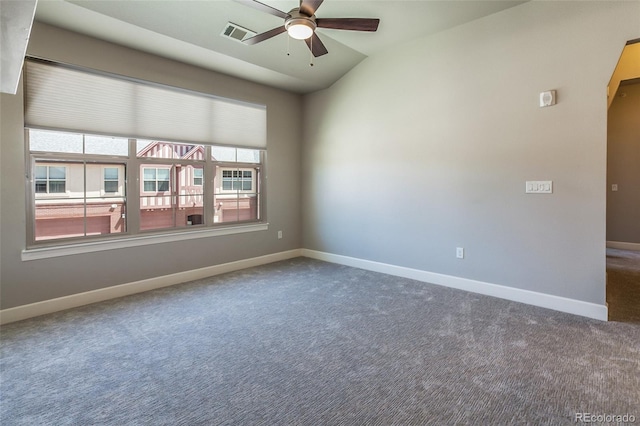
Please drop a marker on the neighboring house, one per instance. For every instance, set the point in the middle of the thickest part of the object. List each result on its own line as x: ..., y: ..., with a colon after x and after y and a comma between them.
x: 61, y: 200
x: 171, y: 193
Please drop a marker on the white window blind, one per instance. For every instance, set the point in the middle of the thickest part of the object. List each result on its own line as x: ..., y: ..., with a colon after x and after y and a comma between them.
x: 61, y: 97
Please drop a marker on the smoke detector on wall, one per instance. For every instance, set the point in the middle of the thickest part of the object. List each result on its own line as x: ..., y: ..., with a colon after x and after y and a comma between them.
x: 236, y: 32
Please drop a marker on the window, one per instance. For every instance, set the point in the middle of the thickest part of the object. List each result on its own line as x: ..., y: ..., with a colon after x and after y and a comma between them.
x: 237, y: 180
x: 198, y: 175
x: 237, y: 199
x: 50, y: 179
x: 76, y: 185
x: 156, y: 180
x: 85, y: 183
x: 111, y: 179
x: 79, y: 187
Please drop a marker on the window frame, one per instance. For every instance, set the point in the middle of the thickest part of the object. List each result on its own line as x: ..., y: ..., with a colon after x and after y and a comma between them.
x: 132, y: 188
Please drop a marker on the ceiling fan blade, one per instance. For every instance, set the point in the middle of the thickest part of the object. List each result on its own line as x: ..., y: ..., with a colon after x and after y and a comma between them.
x: 309, y: 7
x: 353, y: 24
x: 264, y: 8
x: 316, y: 46
x: 265, y: 36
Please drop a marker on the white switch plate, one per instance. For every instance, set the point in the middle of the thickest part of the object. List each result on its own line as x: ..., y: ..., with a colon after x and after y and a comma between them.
x: 547, y: 98
x: 279, y: 235
x: 460, y: 252
x: 614, y: 187
x: 539, y: 187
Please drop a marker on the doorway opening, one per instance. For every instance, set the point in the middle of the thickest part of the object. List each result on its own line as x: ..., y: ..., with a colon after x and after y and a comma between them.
x: 623, y: 188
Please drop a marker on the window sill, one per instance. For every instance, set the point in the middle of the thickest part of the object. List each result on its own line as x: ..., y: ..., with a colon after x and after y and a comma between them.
x: 139, y: 240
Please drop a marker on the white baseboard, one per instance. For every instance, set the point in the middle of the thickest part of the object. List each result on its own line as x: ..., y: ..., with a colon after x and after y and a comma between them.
x: 572, y: 306
x: 67, y: 302
x: 562, y: 304
x: 623, y: 246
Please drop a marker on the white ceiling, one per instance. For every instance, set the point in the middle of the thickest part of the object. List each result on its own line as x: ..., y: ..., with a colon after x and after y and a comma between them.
x: 190, y: 31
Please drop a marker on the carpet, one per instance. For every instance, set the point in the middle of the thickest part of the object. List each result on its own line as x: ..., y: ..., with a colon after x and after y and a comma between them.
x: 304, y: 342
x: 623, y: 285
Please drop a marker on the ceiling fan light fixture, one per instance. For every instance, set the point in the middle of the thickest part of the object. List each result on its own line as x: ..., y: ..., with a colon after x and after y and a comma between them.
x: 300, y: 28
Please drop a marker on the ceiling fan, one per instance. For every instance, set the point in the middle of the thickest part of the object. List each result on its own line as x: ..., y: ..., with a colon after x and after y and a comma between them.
x: 301, y: 24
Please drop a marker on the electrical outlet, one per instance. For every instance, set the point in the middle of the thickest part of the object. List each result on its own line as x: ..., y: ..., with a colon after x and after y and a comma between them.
x: 279, y: 235
x: 460, y: 252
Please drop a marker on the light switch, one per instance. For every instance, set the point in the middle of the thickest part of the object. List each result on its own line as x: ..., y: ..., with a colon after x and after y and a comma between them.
x: 614, y: 187
x: 539, y: 187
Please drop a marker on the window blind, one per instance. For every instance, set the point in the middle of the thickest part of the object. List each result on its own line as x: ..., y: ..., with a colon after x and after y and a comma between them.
x: 66, y: 98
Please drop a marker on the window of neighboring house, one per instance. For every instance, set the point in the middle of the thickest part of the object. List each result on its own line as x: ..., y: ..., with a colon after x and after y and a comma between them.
x: 156, y: 179
x: 198, y: 176
x: 79, y: 188
x: 237, y: 180
x: 170, y: 196
x: 111, y: 179
x: 50, y: 179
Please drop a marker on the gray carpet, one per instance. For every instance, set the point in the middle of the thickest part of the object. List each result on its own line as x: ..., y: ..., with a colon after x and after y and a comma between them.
x: 623, y: 285
x: 303, y: 342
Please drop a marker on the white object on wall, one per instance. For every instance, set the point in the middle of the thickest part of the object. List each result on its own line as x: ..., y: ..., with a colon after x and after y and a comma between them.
x: 547, y: 98
x: 539, y: 187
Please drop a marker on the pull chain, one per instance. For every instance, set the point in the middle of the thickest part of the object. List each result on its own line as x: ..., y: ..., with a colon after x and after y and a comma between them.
x: 288, y: 42
x: 311, y: 49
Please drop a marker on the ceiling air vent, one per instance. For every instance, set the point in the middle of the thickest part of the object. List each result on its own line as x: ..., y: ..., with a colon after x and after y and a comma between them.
x: 236, y: 32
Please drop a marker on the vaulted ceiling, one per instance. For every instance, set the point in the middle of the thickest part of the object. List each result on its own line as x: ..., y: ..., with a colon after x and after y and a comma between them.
x: 191, y: 32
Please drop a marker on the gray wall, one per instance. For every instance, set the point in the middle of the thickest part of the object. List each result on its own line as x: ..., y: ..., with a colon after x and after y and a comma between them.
x: 427, y: 147
x: 623, y: 166
x: 33, y: 281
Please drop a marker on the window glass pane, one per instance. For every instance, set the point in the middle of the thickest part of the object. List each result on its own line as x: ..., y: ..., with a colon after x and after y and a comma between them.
x: 105, y: 145
x: 170, y: 150
x: 149, y: 174
x: 111, y: 186
x: 198, y: 174
x: 234, y: 208
x: 141, y: 144
x: 47, y: 141
x: 64, y: 208
x: 248, y: 156
x: 163, y: 174
x: 111, y: 173
x: 223, y: 153
x: 171, y: 190
x: 41, y: 172
x: 56, y: 186
x: 57, y: 172
x: 241, y: 205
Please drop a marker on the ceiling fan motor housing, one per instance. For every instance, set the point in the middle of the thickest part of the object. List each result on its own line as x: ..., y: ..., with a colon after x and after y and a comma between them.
x: 296, y: 19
